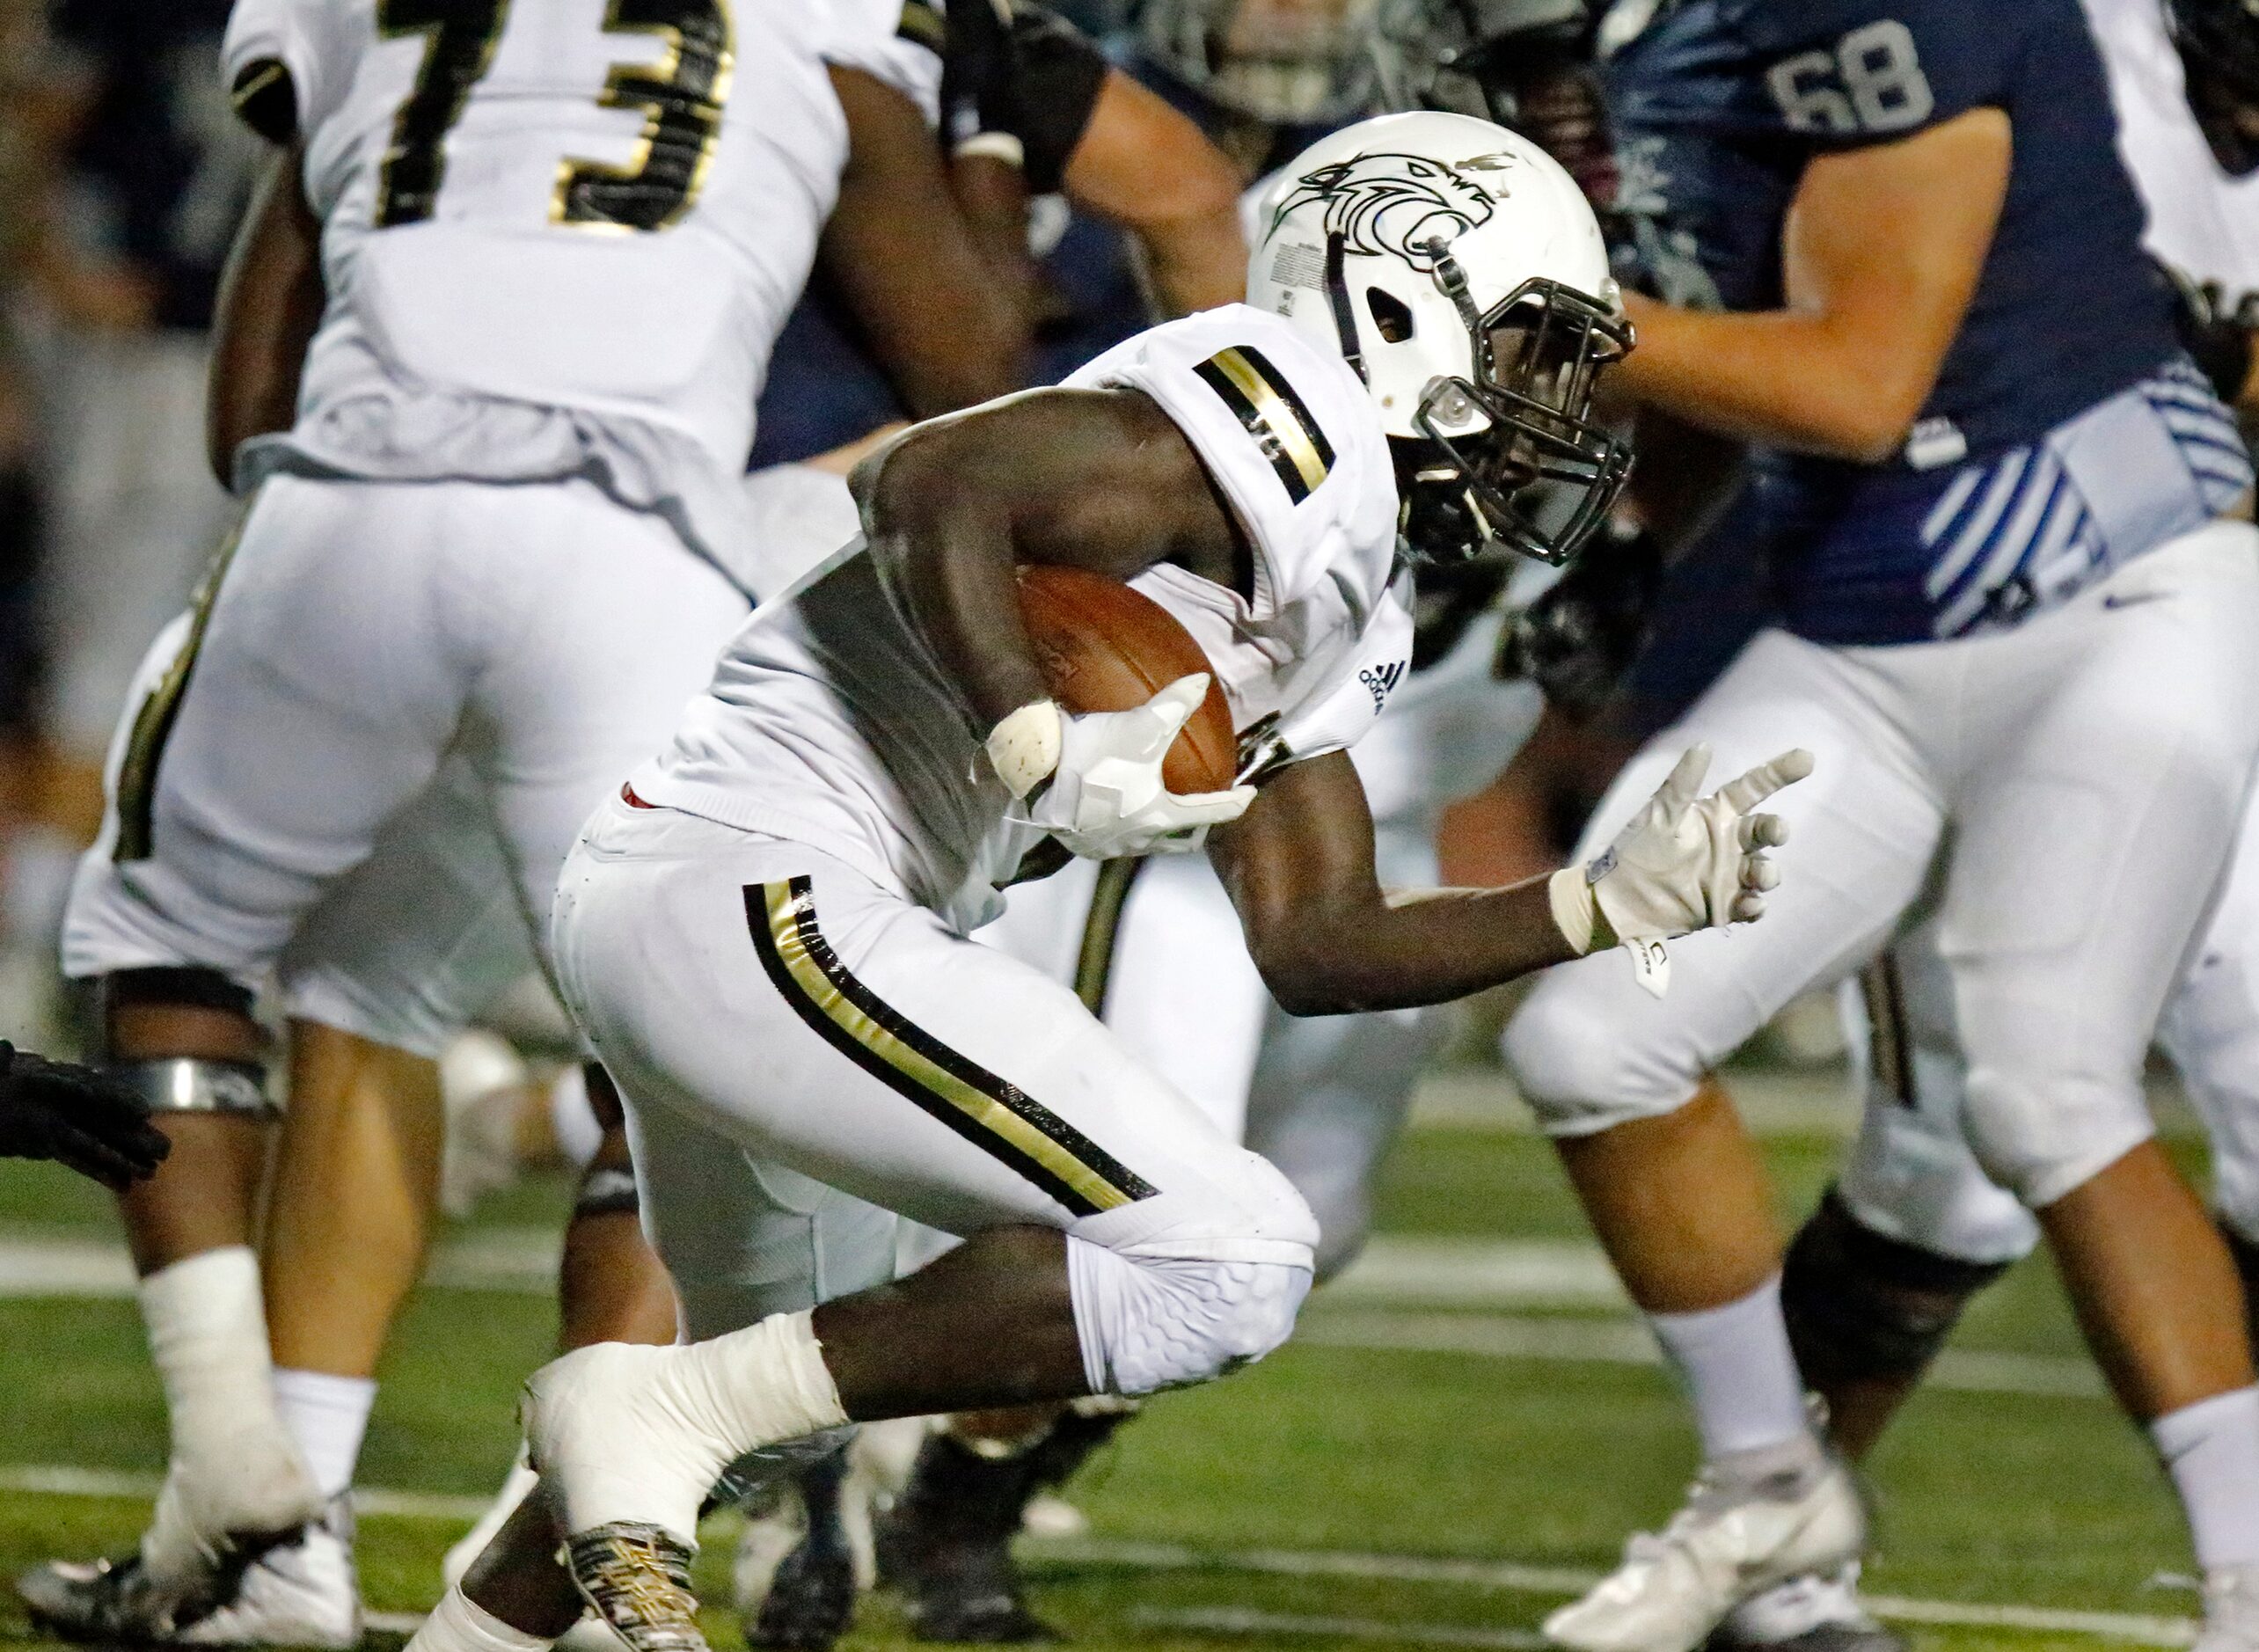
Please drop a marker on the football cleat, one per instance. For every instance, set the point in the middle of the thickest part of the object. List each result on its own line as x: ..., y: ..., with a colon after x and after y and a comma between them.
x: 810, y: 1598
x: 2231, y: 1610
x: 102, y: 1601
x: 1816, y: 1612
x: 305, y: 1593
x: 301, y: 1592
x: 946, y: 1545
x: 637, y: 1577
x: 1730, y: 1542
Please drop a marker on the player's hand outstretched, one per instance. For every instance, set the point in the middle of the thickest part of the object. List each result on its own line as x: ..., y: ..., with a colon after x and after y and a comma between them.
x: 75, y: 1115
x: 1686, y: 862
x: 1106, y: 798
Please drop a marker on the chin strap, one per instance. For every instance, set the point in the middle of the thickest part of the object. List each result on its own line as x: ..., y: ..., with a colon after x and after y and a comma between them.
x: 1337, y: 295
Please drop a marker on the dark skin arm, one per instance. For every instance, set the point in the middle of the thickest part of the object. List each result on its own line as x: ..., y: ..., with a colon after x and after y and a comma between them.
x: 1097, y: 479
x: 270, y: 302
x: 946, y: 330
x: 1326, y: 936
x: 1102, y: 479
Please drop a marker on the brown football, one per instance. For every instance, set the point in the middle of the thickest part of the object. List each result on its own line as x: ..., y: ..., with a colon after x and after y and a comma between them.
x: 1105, y: 647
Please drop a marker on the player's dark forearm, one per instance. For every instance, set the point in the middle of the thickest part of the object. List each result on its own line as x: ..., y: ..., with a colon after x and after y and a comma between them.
x: 944, y: 552
x: 1427, y: 947
x: 270, y: 303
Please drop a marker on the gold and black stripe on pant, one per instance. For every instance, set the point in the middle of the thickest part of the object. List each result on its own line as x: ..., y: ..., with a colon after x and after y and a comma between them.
x: 997, y: 1116
x: 1890, y: 1049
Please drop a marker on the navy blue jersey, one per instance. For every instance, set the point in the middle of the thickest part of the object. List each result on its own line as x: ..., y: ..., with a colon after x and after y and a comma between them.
x: 161, y: 171
x: 1720, y: 104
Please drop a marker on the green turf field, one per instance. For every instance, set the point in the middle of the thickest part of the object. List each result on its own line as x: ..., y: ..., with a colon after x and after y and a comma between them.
x: 1455, y: 1439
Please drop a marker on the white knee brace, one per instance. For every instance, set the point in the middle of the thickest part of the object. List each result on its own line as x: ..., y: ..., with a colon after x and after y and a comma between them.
x: 1184, y: 1286
x: 1147, y: 1323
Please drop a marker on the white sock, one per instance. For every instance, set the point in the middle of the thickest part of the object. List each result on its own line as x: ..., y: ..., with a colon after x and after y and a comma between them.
x: 2211, y: 1450
x: 326, y: 1416
x: 701, y: 1406
x: 235, y: 1467
x: 460, y: 1624
x: 766, y: 1382
x: 1739, y: 1373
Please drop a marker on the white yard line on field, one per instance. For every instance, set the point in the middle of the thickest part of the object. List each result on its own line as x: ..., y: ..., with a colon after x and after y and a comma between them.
x: 1375, y: 1307
x: 1242, y: 1621
x: 1505, y: 1575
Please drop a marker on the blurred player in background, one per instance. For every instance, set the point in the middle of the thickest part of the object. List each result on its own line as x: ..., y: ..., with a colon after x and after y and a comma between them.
x: 489, y: 387
x: 152, y: 174
x: 2018, y: 597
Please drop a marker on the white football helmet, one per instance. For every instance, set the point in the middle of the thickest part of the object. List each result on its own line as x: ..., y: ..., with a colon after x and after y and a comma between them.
x: 1460, y: 271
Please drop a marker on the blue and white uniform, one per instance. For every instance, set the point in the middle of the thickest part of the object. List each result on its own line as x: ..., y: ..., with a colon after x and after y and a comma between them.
x: 1910, y: 1176
x: 2020, y: 649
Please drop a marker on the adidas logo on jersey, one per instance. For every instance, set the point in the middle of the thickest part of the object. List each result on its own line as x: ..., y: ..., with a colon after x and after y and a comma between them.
x: 1382, y: 681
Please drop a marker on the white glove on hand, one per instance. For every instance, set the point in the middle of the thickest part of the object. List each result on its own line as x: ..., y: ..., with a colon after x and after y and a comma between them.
x: 1685, y: 863
x: 1106, y: 798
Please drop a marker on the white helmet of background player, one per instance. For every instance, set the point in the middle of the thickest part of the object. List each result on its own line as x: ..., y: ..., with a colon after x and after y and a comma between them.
x: 1458, y: 269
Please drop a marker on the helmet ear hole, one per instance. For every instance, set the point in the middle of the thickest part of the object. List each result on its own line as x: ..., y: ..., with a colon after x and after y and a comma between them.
x: 1391, y: 314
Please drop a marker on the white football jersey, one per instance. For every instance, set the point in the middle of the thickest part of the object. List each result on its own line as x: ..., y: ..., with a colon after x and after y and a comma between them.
x: 561, y: 237
x: 829, y: 721
x: 2201, y: 221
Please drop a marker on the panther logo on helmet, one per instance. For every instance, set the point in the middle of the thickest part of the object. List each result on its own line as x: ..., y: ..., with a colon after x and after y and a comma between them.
x: 1408, y: 205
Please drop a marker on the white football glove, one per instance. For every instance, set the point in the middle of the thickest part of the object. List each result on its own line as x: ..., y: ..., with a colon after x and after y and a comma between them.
x: 1685, y: 863
x: 1105, y: 798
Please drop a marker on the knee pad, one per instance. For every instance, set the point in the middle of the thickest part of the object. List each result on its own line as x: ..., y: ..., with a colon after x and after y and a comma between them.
x: 1568, y: 1058
x: 1860, y: 1305
x: 1151, y: 1323
x: 1185, y: 1286
x: 185, y: 986
x: 185, y: 1084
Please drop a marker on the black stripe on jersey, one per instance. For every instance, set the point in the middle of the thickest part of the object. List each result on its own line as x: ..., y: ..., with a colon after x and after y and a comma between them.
x: 1266, y: 405
x: 994, y: 1115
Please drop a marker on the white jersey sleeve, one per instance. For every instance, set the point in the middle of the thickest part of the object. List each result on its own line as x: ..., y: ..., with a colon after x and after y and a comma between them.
x: 897, y: 43
x: 302, y: 36
x: 1337, y: 719
x: 1289, y: 435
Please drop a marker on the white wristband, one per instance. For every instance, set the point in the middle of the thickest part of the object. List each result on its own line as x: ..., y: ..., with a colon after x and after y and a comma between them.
x: 997, y: 146
x: 1024, y: 747
x: 1575, y: 913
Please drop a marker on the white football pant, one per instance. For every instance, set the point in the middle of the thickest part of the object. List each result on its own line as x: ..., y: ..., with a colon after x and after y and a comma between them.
x: 2059, y: 799
x: 358, y: 634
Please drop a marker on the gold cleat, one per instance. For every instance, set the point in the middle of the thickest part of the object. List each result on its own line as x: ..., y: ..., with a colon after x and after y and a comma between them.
x: 638, y: 1578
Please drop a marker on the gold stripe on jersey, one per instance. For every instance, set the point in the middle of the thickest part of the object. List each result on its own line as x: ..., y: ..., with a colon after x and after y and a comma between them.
x: 153, y: 723
x: 995, y: 1116
x: 921, y: 25
x: 1260, y: 398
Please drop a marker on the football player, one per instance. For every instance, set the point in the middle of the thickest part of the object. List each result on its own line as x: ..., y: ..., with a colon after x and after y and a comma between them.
x: 2008, y: 527
x: 1877, y: 1277
x: 503, y: 531
x: 879, y: 750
